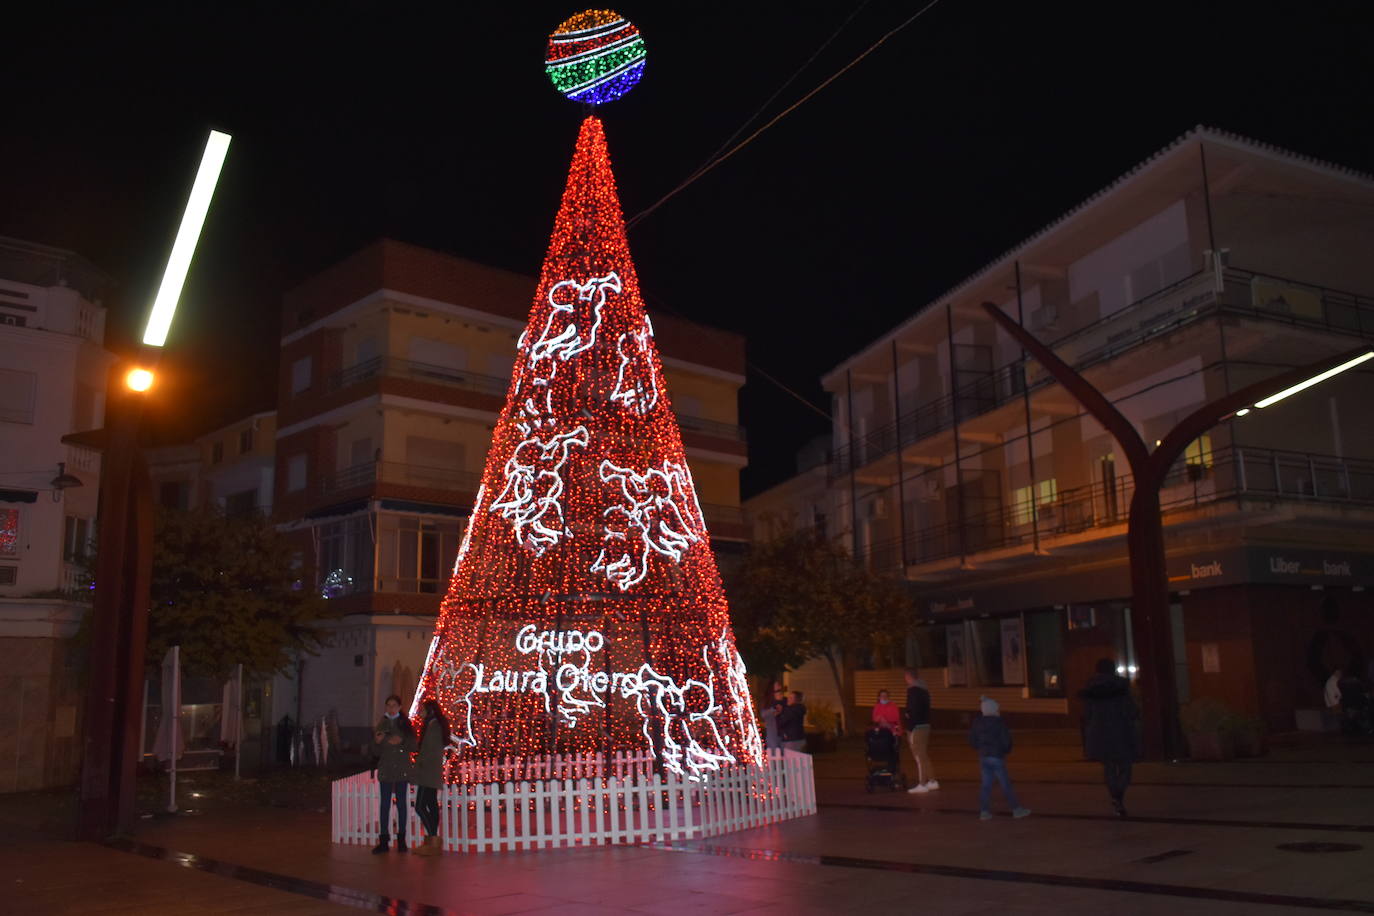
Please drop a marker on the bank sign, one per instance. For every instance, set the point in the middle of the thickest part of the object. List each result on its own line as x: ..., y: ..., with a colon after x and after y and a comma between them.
x: 1187, y: 571
x: 1271, y: 565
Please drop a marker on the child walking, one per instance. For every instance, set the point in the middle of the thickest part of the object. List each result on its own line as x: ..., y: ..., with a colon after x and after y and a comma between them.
x: 991, y: 738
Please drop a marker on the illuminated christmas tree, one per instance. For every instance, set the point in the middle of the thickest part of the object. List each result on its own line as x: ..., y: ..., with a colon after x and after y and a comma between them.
x: 585, y: 613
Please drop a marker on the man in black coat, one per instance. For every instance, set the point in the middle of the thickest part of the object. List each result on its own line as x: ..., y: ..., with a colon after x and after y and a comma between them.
x: 1109, y: 729
x: 792, y: 723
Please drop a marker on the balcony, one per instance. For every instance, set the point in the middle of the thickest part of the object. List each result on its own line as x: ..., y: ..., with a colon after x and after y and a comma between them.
x: 1267, y: 475
x: 713, y: 428
x: 395, y: 472
x: 1243, y: 293
x: 395, y: 367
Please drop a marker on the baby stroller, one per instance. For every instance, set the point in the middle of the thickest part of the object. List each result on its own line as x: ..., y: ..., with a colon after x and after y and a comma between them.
x: 884, y: 772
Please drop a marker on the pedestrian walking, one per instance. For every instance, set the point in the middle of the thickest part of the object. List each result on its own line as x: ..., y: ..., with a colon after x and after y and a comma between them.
x: 918, y: 732
x: 769, y: 707
x: 393, y: 742
x: 429, y: 774
x: 1109, y: 729
x: 991, y: 738
x: 792, y: 723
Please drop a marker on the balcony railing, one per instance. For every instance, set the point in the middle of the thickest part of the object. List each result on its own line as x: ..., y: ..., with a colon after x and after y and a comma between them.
x: 1244, y: 293
x: 395, y: 367
x: 711, y: 427
x: 1236, y: 473
x: 717, y: 514
x: 395, y: 472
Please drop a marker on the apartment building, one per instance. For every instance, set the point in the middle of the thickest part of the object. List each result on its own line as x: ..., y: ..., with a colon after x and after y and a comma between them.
x: 394, y: 365
x: 962, y: 466
x: 53, y: 373
x: 231, y: 468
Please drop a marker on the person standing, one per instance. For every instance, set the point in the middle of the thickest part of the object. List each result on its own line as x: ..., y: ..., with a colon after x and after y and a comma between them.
x: 393, y: 740
x: 918, y: 732
x: 991, y: 738
x: 792, y: 723
x: 1109, y: 729
x: 429, y: 774
x: 769, y: 707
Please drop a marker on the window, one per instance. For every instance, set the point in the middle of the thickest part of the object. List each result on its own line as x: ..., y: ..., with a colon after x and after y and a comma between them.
x: 295, y: 473
x: 1199, y: 452
x: 76, y: 539
x: 9, y: 575
x: 415, y: 554
x: 9, y: 532
x: 246, y: 441
x: 345, y: 557
x: 1023, y: 504
x: 216, y: 452
x: 242, y: 503
x: 17, y: 391
x: 300, y: 374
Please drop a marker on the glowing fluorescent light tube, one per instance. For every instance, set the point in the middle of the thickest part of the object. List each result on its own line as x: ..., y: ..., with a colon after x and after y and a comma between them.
x: 1319, y: 377
x: 165, y: 306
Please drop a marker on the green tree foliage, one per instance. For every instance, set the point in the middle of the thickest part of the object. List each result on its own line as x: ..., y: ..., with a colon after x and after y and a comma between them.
x: 224, y: 590
x: 799, y: 596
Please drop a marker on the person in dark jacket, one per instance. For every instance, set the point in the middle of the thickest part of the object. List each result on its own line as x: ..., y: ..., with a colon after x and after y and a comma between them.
x: 393, y: 740
x: 792, y: 723
x: 429, y: 774
x: 1109, y: 729
x: 991, y: 738
x: 917, y: 715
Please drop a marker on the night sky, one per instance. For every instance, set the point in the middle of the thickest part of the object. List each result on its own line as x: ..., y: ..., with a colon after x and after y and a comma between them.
x: 435, y: 124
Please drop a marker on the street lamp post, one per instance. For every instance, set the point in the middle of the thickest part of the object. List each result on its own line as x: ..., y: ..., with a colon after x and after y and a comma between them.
x: 1150, y: 623
x: 123, y: 572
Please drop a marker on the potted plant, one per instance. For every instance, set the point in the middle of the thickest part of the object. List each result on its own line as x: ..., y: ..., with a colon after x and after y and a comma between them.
x: 823, y: 724
x: 1203, y: 722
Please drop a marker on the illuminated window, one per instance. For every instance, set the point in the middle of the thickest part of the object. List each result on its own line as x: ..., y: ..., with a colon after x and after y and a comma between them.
x: 415, y: 554
x: 1199, y: 452
x: 9, y: 532
x: 1022, y: 502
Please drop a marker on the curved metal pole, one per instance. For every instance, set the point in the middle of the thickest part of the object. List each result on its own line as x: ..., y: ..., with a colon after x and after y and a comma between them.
x: 1150, y: 623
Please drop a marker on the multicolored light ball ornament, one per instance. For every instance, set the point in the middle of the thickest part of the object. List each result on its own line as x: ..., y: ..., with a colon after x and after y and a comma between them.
x: 595, y: 57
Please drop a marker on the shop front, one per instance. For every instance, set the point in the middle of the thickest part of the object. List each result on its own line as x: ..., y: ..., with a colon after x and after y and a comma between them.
x: 1259, y: 628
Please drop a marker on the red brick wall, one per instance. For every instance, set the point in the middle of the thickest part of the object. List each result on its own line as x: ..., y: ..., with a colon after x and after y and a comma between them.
x: 317, y: 444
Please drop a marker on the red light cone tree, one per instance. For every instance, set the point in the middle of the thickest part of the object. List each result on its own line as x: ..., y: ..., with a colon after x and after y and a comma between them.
x: 585, y: 613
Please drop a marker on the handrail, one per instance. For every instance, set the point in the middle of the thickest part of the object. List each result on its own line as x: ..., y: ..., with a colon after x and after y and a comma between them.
x: 396, y: 367
x: 1223, y: 474
x: 396, y: 472
x: 1183, y: 302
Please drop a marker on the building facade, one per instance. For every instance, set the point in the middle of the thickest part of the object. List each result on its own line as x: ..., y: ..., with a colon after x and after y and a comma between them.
x: 231, y: 469
x: 53, y: 375
x: 394, y: 365
x: 960, y: 465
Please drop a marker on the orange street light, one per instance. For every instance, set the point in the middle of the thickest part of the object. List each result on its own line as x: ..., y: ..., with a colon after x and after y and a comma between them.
x: 139, y: 379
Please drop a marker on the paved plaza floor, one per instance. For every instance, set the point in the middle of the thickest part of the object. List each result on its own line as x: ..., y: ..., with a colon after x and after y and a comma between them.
x: 1291, y: 833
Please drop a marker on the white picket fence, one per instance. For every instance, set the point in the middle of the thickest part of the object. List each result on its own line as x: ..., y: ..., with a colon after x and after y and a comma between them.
x: 585, y: 800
